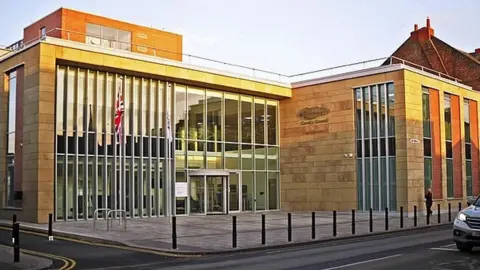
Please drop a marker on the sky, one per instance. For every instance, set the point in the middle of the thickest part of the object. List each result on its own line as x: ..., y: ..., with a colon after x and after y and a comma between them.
x: 288, y: 37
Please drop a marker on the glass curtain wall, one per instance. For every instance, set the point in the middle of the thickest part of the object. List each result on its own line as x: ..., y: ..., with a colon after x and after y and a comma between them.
x: 468, y: 146
x: 211, y: 129
x: 95, y: 169
x: 225, y: 131
x: 448, y: 144
x: 427, y: 139
x: 375, y: 137
x: 12, y: 108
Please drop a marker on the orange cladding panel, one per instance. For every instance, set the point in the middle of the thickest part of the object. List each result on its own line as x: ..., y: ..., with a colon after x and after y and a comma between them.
x: 436, y: 144
x: 474, y: 142
x: 144, y: 39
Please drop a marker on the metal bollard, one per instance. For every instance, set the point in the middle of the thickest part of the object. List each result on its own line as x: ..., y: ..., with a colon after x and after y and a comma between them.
x: 16, y: 244
x: 313, y: 225
x: 50, y: 224
x: 14, y: 220
x: 371, y: 220
x: 234, y: 231
x: 263, y: 230
x: 449, y: 212
x: 289, y: 229
x: 386, y: 218
x: 459, y: 206
x: 401, y: 217
x: 353, y: 221
x: 439, y: 219
x: 174, y: 232
x: 334, y: 223
x: 415, y: 216
x: 428, y: 218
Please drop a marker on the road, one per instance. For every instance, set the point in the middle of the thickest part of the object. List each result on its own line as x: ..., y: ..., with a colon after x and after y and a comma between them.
x: 431, y: 249
x: 72, y: 254
x: 428, y: 250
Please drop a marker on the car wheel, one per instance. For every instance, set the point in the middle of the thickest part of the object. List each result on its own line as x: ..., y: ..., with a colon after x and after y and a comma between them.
x: 464, y: 248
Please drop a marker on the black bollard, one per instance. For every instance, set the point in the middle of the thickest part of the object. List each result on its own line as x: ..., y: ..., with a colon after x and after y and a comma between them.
x: 439, y: 219
x: 313, y: 225
x: 428, y: 218
x: 401, y: 217
x: 16, y: 244
x: 449, y: 212
x: 371, y: 220
x: 459, y: 206
x: 386, y: 218
x: 289, y: 232
x: 415, y: 216
x: 174, y: 232
x: 353, y: 221
x: 234, y: 231
x: 334, y: 223
x: 14, y: 220
x: 50, y: 224
x: 263, y: 230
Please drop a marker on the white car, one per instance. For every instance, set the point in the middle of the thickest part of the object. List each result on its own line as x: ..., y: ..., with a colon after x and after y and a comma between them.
x: 466, y: 227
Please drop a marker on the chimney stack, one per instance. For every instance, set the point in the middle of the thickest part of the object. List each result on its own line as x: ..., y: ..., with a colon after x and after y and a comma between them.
x: 424, y: 33
x: 477, y: 51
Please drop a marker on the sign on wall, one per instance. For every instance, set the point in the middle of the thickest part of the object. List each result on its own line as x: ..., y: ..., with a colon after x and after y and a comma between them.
x: 313, y: 115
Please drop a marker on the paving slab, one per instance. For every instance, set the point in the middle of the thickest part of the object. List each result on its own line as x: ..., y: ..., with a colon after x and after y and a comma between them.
x: 213, y: 233
x: 26, y: 261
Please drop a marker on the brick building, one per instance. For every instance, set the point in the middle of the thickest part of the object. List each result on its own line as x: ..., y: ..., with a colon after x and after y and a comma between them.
x: 425, y: 49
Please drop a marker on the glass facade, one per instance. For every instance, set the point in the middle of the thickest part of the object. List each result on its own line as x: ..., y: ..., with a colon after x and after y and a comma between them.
x: 448, y: 144
x: 12, y: 108
x: 468, y: 146
x: 214, y: 131
x: 427, y: 139
x: 375, y: 141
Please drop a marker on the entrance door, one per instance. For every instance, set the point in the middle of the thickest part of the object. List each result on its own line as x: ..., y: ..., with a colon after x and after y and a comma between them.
x: 197, y: 195
x: 217, y: 194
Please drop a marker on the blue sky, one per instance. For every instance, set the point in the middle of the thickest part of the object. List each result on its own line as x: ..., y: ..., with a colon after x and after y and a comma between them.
x: 278, y: 35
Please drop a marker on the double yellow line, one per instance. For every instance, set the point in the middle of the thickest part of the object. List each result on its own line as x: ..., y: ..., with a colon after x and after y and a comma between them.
x: 67, y: 262
x: 143, y: 250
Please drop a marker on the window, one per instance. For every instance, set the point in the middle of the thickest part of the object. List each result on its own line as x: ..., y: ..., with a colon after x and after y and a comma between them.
x: 448, y: 144
x: 108, y: 37
x: 468, y: 146
x: 427, y: 139
x: 43, y: 32
x: 12, y: 99
x: 375, y: 139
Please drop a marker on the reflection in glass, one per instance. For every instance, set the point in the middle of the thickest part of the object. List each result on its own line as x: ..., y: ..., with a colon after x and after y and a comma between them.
x: 259, y: 121
x: 231, y: 117
x: 197, y: 195
x: 232, y: 157
x: 180, y: 110
x: 247, y: 191
x: 273, y: 191
x: 87, y: 109
x: 196, y: 111
x: 234, y: 192
x: 261, y: 191
x: 272, y: 122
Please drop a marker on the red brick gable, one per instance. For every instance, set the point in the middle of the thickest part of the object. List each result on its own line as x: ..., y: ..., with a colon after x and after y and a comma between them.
x: 424, y: 49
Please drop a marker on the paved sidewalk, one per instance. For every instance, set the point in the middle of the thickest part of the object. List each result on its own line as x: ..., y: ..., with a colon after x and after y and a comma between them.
x: 214, y: 233
x: 26, y: 261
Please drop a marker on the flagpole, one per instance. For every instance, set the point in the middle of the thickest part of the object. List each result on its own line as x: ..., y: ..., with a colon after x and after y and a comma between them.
x: 168, y: 167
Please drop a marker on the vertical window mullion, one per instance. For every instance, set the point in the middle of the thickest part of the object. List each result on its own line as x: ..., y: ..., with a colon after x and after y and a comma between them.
x: 370, y: 141
x: 379, y: 171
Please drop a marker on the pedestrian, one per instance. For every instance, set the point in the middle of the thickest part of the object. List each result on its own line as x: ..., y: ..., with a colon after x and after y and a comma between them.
x: 429, y: 201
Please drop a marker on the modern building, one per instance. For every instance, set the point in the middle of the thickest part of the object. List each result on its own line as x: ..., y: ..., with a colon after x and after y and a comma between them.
x: 201, y: 137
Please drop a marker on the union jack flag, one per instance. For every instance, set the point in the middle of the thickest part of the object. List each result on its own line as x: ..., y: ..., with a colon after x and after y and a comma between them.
x: 119, y: 109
